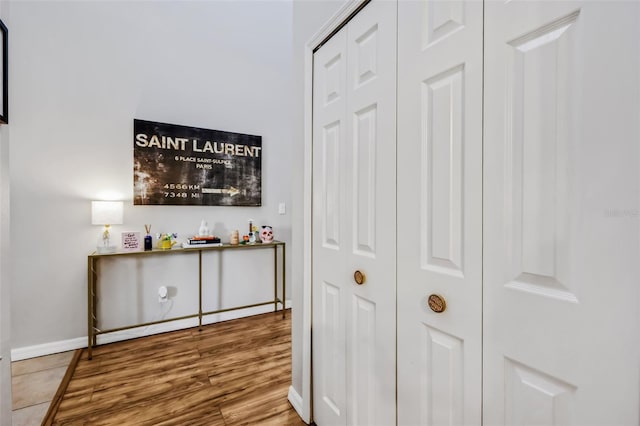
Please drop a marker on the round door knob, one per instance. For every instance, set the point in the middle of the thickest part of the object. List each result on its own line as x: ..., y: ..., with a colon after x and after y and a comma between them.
x: 437, y: 303
x: 359, y: 277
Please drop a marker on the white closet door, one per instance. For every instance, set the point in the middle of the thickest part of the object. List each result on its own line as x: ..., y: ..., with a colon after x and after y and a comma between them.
x: 329, y: 245
x: 354, y: 188
x: 440, y: 212
x: 561, y: 292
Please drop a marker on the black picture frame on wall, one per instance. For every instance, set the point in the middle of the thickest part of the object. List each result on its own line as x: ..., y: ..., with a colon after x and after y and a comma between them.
x: 4, y: 114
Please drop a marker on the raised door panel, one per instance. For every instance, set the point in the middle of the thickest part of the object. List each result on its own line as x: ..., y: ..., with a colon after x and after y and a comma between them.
x: 441, y: 177
x: 441, y: 368
x: 365, y: 130
x: 363, y: 374
x: 439, y: 211
x: 331, y: 338
x: 538, y: 146
x: 440, y: 19
x: 330, y: 183
x: 556, y: 155
x: 534, y: 398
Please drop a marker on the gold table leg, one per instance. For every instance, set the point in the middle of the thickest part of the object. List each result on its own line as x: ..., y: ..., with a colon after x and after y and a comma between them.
x: 284, y: 277
x: 199, y: 290
x: 275, y: 278
x: 91, y: 305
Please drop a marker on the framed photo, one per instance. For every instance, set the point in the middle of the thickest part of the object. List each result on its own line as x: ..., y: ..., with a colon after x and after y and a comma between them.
x: 4, y: 113
x: 131, y: 241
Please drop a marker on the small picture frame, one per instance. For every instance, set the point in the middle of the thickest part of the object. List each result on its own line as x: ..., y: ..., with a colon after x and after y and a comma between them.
x: 131, y: 241
x: 4, y: 79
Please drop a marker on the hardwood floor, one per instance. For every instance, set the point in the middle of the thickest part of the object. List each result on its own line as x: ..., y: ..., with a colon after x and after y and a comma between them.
x: 232, y: 373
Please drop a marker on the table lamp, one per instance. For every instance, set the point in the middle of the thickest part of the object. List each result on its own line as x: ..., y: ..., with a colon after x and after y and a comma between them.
x: 106, y: 213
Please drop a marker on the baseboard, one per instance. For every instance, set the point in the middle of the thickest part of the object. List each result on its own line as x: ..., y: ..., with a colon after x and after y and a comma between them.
x: 150, y: 330
x: 296, y: 402
x: 18, y: 354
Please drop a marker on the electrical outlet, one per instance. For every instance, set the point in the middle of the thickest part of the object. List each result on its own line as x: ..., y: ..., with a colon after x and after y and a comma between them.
x: 163, y: 294
x: 282, y: 208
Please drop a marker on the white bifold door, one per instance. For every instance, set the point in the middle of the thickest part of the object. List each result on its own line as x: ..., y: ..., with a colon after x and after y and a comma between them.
x: 354, y: 235
x: 561, y: 229
x: 492, y: 219
x: 439, y: 212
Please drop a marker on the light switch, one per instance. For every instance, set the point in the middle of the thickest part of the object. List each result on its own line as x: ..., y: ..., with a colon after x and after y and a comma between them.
x: 282, y: 208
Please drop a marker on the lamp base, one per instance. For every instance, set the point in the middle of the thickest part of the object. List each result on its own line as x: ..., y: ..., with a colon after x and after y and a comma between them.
x: 104, y: 245
x: 106, y: 249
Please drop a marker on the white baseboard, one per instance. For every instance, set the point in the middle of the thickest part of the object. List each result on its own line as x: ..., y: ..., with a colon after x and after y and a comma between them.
x: 149, y: 330
x: 18, y: 354
x: 296, y: 402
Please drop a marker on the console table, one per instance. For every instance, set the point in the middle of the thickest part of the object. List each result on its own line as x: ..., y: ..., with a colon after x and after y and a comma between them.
x: 92, y: 290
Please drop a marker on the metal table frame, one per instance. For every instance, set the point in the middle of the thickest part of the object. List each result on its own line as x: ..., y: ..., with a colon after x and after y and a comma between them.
x: 92, y: 289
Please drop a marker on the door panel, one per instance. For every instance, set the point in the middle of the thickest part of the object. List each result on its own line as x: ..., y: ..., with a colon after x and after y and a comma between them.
x: 363, y: 362
x: 442, y: 101
x: 439, y: 211
x: 537, y: 65
x: 331, y: 180
x: 370, y: 191
x: 534, y: 398
x: 354, y: 220
x: 560, y: 151
x: 332, y: 339
x: 364, y: 173
x: 329, y: 247
x: 441, y: 369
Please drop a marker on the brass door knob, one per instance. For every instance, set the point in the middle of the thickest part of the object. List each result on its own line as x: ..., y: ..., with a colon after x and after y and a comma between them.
x: 437, y: 303
x: 359, y: 277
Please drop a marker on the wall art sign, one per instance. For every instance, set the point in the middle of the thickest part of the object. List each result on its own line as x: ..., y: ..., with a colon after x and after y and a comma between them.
x: 180, y: 165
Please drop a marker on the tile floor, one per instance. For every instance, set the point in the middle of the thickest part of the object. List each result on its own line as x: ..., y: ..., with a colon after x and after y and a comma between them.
x: 34, y: 383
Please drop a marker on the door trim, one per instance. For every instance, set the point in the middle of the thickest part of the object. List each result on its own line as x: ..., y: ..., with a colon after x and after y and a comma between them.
x: 339, y: 19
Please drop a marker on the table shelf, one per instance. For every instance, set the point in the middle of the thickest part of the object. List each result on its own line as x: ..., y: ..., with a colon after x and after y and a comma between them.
x: 92, y: 282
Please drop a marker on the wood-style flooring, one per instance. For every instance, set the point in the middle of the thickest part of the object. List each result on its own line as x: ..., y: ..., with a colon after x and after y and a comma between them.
x: 231, y: 373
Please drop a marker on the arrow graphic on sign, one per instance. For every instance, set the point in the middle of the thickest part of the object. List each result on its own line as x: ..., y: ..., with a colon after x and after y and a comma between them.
x: 230, y: 192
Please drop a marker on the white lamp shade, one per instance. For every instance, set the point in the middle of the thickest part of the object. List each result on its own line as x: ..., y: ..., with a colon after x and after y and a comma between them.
x: 106, y: 213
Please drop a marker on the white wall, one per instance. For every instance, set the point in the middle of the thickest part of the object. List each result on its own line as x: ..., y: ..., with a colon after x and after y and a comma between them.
x: 81, y: 72
x: 5, y: 284
x: 308, y: 18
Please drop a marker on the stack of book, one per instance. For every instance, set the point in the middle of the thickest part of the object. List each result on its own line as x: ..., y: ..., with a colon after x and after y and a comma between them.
x: 200, y: 241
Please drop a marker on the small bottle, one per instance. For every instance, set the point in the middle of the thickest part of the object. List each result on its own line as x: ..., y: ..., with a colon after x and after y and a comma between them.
x: 148, y: 244
x: 148, y: 240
